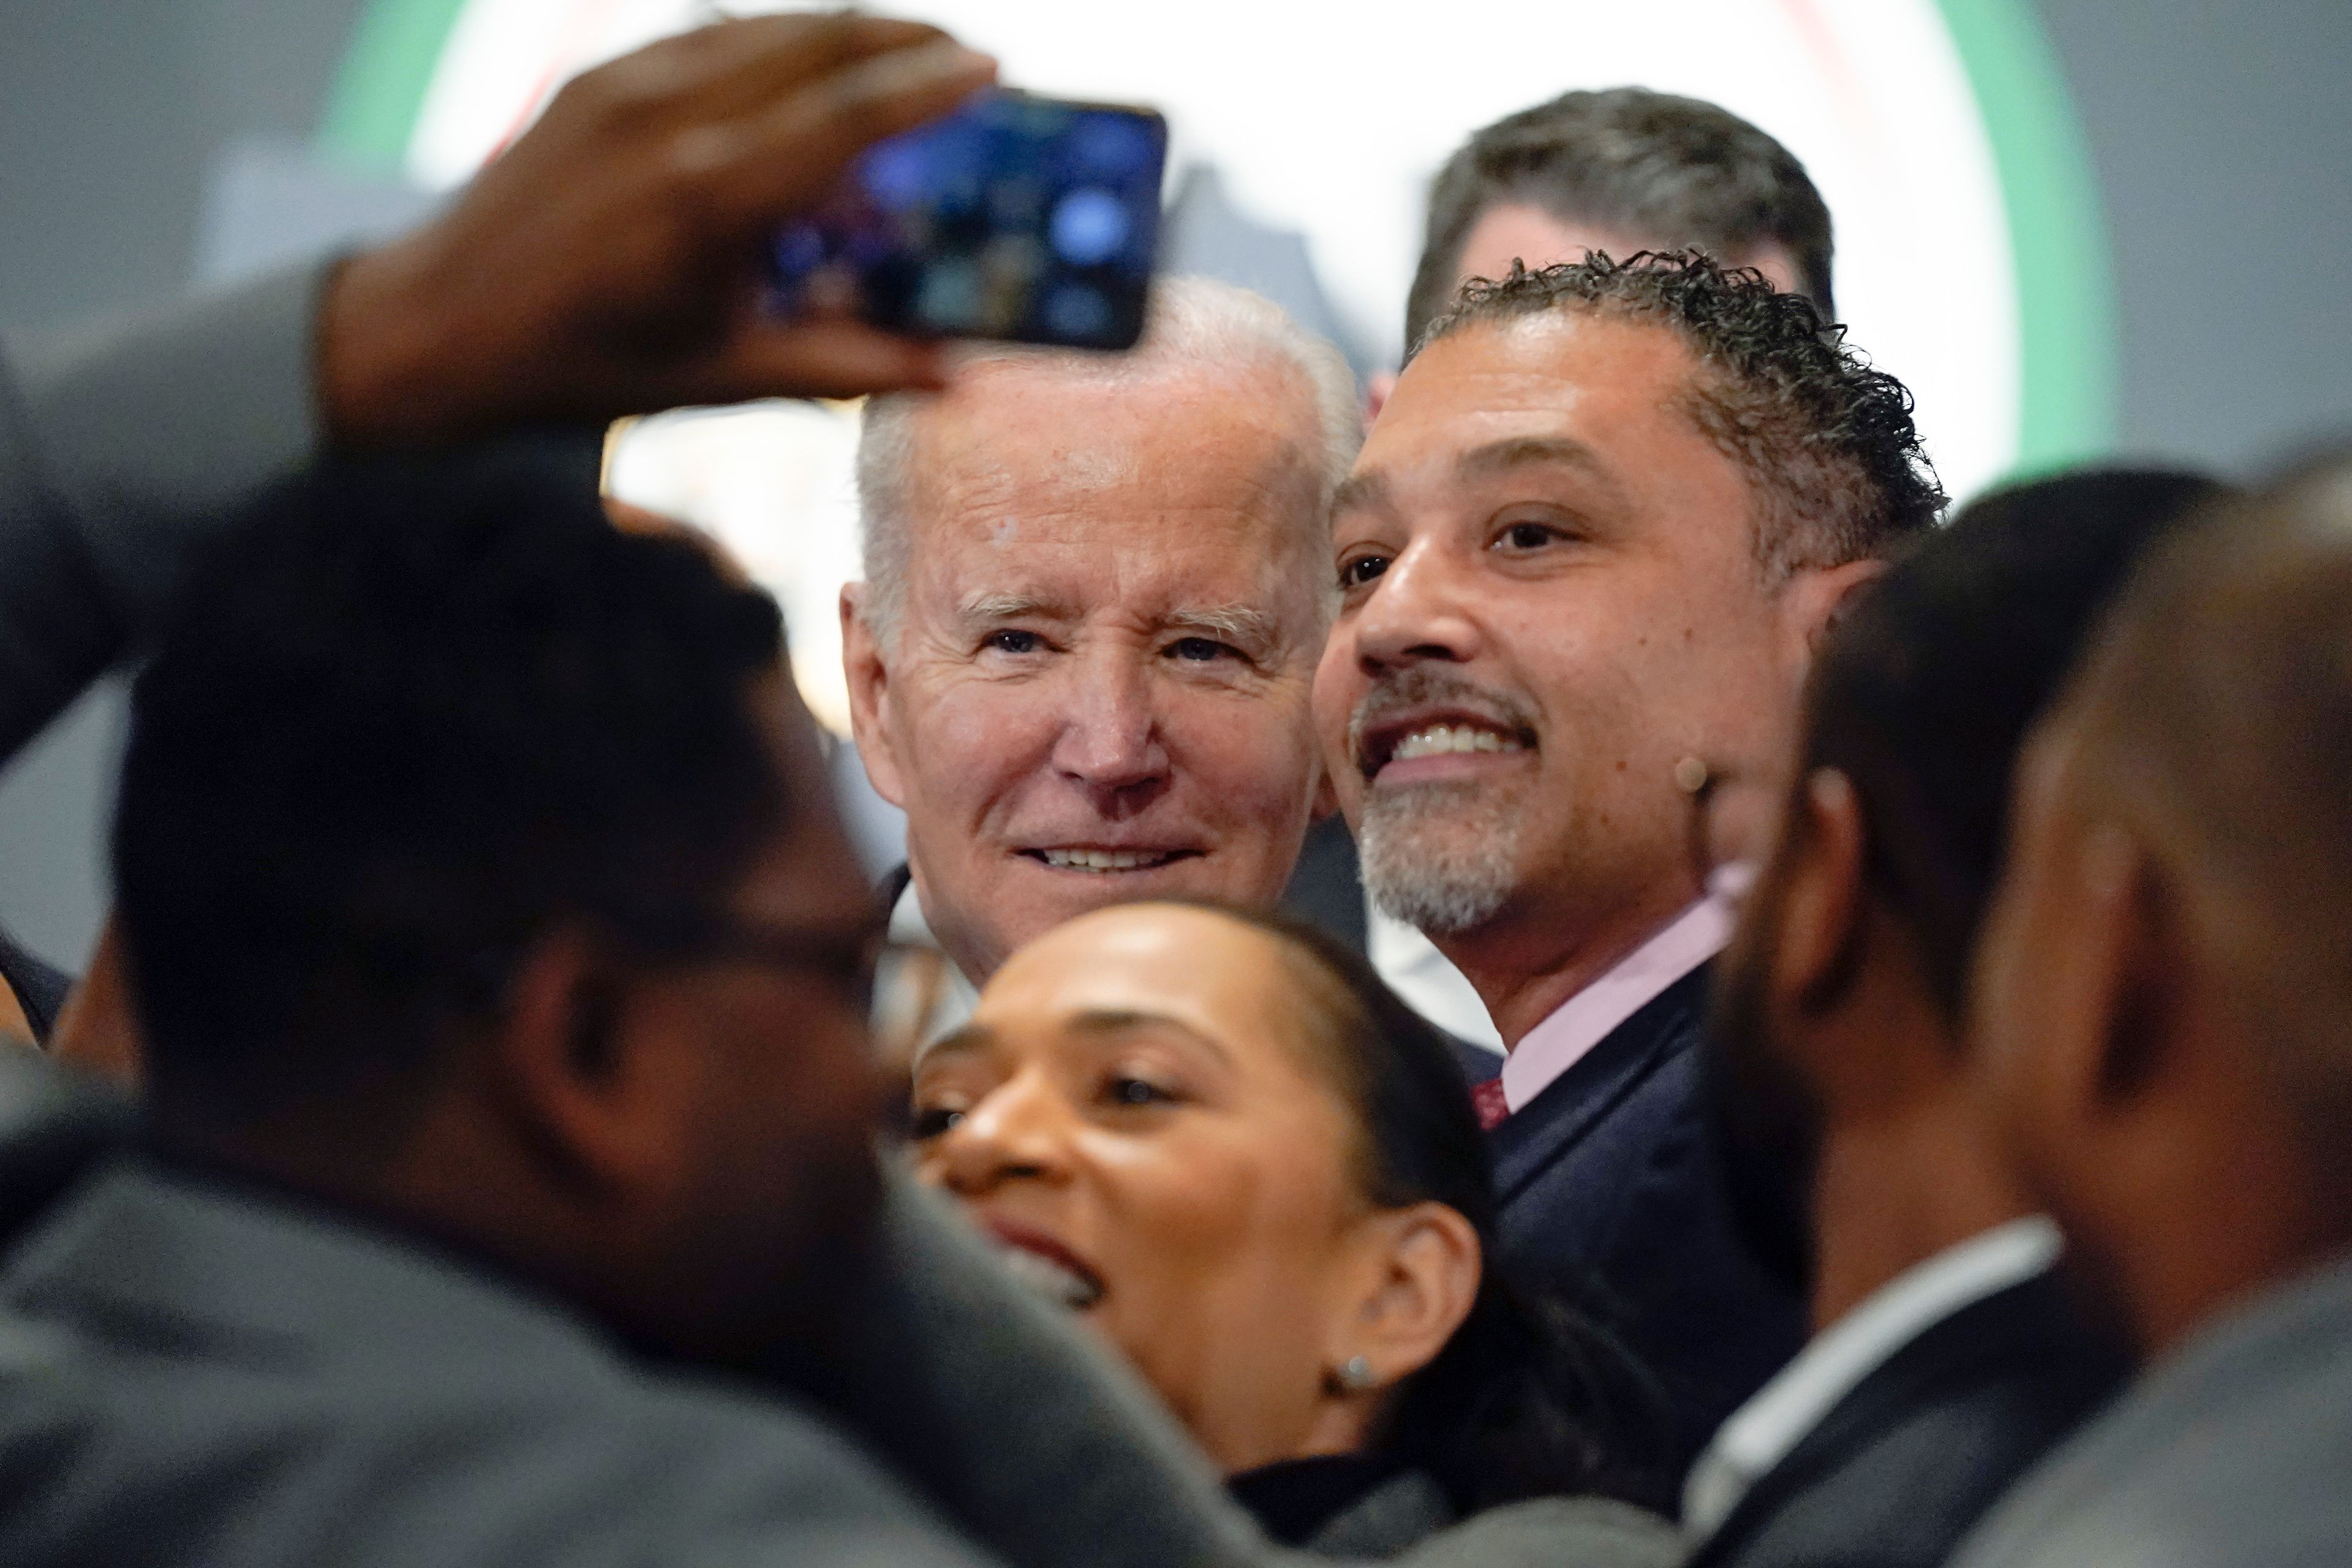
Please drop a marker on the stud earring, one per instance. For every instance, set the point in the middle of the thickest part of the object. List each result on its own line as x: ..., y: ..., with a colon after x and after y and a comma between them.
x: 1691, y: 775
x: 1355, y: 1375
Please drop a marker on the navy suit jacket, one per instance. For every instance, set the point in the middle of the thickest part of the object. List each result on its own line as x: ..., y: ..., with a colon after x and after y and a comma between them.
x: 1610, y: 1196
x: 1905, y: 1464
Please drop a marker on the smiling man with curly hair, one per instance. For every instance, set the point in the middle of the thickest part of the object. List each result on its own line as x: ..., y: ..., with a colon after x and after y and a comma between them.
x: 1584, y: 558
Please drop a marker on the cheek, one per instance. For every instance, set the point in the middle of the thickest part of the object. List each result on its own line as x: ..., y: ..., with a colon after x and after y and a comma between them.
x: 972, y: 741
x: 1248, y: 755
x: 1197, y: 1217
x: 1338, y: 687
x: 1218, y: 1298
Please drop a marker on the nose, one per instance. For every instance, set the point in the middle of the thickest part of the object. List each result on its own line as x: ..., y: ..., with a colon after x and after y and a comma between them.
x: 1019, y: 1131
x: 1111, y: 744
x: 1416, y: 612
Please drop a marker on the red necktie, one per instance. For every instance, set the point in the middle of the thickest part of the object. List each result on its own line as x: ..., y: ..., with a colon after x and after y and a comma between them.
x: 1488, y: 1099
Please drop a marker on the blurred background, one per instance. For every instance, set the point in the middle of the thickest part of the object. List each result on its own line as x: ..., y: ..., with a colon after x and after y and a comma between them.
x: 2076, y: 228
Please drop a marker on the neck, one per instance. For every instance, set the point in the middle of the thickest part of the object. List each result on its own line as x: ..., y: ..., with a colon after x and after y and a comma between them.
x: 1527, y: 962
x: 2247, y: 1216
x: 1893, y: 1191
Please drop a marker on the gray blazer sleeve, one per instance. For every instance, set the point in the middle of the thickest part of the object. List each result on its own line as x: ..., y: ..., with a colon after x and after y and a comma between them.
x: 1554, y: 1532
x: 120, y: 452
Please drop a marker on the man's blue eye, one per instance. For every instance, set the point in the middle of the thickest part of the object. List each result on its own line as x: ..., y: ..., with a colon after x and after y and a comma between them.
x: 1200, y: 648
x: 1011, y: 641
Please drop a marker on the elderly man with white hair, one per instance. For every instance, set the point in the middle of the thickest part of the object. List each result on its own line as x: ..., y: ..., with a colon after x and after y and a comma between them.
x: 1096, y: 590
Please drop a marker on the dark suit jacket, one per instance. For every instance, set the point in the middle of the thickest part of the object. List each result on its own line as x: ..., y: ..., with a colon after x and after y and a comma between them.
x: 1610, y: 1194
x: 1903, y: 1466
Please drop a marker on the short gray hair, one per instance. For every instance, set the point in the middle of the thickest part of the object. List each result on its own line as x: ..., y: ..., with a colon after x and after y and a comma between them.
x: 1193, y: 321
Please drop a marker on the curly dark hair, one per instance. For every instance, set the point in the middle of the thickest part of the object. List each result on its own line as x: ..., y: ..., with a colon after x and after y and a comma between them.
x: 1827, y: 441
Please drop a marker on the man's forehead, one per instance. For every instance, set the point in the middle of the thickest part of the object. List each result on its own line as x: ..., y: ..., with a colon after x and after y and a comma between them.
x: 1572, y: 386
x: 1557, y: 358
x: 1122, y: 487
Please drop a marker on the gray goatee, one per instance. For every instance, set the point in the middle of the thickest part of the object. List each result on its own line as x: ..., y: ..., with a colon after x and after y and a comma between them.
x: 1442, y: 857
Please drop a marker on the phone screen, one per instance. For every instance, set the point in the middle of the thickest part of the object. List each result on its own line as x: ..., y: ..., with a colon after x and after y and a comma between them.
x: 1030, y: 219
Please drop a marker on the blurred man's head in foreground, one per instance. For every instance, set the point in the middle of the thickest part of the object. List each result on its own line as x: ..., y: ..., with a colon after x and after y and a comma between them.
x: 2163, y: 1001
x: 475, y: 867
x: 1839, y: 1013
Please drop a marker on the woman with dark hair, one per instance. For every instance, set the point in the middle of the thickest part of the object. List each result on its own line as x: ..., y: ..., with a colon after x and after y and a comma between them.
x: 1219, y: 1138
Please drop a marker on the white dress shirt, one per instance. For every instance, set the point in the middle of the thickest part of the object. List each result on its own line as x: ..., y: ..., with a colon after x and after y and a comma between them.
x: 1407, y: 960
x: 952, y: 1008
x: 1427, y: 980
x: 1764, y: 1431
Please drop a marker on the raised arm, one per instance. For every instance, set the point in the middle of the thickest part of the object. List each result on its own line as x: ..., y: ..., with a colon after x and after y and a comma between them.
x: 607, y: 264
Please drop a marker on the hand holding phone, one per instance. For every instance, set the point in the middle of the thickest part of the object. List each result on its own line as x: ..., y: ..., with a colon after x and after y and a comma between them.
x: 1015, y: 217
x: 608, y: 263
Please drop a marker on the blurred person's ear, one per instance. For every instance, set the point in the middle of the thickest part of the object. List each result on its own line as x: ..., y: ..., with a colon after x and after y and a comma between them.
x: 869, y: 697
x: 2130, y: 965
x: 98, y: 1028
x: 599, y: 1099
x: 1422, y: 1265
x: 1819, y: 912
x: 2080, y: 975
x: 1376, y: 395
x: 1811, y: 601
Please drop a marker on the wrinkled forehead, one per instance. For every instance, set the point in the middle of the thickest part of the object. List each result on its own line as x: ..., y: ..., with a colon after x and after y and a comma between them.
x: 1175, y: 478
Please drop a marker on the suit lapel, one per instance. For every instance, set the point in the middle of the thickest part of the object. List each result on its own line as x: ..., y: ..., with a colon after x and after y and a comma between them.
x: 2008, y: 1333
x: 1572, y: 1105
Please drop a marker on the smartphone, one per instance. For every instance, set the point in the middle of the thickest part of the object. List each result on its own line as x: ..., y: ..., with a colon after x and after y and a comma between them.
x: 1027, y: 220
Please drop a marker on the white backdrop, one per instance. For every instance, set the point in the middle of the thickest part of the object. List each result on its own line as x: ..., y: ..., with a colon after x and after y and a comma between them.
x: 1327, y: 117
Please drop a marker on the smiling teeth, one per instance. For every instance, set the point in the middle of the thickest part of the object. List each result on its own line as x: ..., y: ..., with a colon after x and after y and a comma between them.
x: 1050, y: 1279
x: 1440, y: 739
x: 1101, y: 859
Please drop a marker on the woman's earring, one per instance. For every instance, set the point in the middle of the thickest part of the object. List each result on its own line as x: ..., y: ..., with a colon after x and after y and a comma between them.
x: 1355, y: 1375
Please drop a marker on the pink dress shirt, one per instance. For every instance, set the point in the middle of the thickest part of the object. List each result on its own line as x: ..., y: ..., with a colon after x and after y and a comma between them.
x: 1585, y: 1019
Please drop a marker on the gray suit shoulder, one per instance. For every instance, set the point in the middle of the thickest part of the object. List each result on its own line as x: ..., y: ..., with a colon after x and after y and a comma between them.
x: 189, y: 1377
x: 1554, y: 1532
x: 2233, y: 1452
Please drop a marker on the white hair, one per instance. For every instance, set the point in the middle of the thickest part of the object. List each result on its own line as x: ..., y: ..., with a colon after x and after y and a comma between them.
x: 1193, y: 322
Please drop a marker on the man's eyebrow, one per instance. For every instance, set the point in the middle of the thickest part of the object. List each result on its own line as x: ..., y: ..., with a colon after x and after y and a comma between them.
x: 1361, y: 493
x: 1242, y: 624
x: 1519, y: 451
x: 1121, y: 1020
x: 1011, y: 606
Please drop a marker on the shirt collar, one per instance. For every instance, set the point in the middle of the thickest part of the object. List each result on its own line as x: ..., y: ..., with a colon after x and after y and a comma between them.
x: 953, y: 1007
x: 1585, y: 1019
x: 1764, y: 1431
